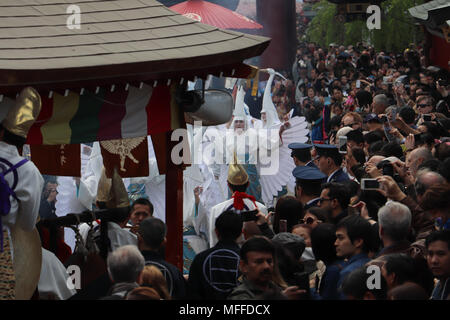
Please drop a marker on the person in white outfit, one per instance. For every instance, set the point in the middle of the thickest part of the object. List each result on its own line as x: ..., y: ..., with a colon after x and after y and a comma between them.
x: 238, y: 182
x: 54, y: 283
x: 21, y: 186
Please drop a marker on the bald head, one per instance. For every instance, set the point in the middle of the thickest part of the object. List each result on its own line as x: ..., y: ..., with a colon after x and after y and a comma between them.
x: 375, y: 160
x: 429, y: 178
x: 425, y: 179
x: 416, y: 158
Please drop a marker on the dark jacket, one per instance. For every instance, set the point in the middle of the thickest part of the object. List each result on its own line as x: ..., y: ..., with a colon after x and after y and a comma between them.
x: 422, y: 221
x: 47, y: 210
x: 339, y: 176
x: 312, y: 165
x: 402, y: 246
x: 328, y: 288
x: 311, y: 203
x: 353, y: 263
x: 214, y: 272
x: 339, y: 217
x: 175, y: 280
x: 120, y: 290
x: 248, y: 291
x: 442, y: 290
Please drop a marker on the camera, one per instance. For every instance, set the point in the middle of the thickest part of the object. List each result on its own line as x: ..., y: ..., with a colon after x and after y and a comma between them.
x: 426, y: 117
x: 249, y: 215
x: 387, y: 167
x: 442, y: 83
x: 369, y: 184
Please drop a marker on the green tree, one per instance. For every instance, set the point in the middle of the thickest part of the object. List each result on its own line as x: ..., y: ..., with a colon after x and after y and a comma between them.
x: 323, y: 28
x: 396, y: 33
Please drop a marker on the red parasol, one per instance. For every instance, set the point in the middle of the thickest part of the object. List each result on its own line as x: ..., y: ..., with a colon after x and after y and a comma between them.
x: 214, y: 15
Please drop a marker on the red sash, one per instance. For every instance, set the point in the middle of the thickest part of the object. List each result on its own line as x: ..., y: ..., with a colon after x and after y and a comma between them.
x: 239, y: 200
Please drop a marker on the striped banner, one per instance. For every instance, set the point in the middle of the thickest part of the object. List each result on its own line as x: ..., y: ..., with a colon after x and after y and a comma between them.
x: 104, y: 115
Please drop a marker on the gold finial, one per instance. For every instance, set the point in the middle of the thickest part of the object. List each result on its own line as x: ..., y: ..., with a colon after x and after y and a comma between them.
x: 112, y: 191
x: 22, y: 116
x: 119, y: 194
x: 104, y: 187
x: 236, y: 172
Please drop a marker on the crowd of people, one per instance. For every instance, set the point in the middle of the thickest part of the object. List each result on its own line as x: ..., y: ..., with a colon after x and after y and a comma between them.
x: 369, y: 217
x: 374, y: 118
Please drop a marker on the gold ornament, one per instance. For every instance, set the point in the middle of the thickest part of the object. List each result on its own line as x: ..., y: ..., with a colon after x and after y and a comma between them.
x: 236, y: 173
x: 22, y: 116
x: 124, y: 148
x: 112, y: 191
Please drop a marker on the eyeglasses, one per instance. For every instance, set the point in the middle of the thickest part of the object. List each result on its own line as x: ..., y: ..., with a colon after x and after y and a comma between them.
x: 308, y: 220
x: 348, y: 125
x: 422, y: 105
x: 324, y: 199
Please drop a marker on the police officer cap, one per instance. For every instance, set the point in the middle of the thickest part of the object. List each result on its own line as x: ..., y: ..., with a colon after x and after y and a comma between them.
x: 308, y: 173
x: 326, y: 149
x: 299, y: 146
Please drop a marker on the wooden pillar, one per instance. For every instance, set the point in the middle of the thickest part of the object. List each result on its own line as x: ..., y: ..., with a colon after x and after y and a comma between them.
x: 278, y: 20
x: 174, y: 208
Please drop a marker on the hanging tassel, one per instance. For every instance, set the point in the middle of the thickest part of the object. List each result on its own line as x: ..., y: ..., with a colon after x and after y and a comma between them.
x: 255, y: 84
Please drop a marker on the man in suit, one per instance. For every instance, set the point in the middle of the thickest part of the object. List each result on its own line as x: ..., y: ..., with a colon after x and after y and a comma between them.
x: 308, y: 185
x: 301, y: 154
x: 329, y: 162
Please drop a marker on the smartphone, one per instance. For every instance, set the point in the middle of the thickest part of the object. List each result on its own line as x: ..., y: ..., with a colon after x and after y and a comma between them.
x: 302, y: 280
x: 369, y: 184
x: 249, y: 215
x: 283, y: 225
x: 426, y: 117
x: 417, y: 138
x: 358, y: 84
x: 394, y: 114
x: 343, y: 144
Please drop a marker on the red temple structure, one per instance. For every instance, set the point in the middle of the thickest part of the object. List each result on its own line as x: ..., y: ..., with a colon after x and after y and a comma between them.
x: 120, y: 45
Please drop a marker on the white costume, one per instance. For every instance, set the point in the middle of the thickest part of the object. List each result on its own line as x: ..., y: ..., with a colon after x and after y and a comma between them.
x: 53, y: 280
x: 217, y: 210
x: 73, y: 199
x: 28, y: 190
x: 274, y: 164
x: 119, y: 236
x: 295, y: 131
x: 154, y: 184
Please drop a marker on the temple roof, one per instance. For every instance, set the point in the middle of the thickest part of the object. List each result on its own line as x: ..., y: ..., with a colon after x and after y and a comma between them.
x: 118, y: 41
x: 434, y: 15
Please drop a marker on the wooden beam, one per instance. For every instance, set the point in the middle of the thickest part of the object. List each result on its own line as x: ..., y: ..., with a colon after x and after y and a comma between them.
x: 174, y: 208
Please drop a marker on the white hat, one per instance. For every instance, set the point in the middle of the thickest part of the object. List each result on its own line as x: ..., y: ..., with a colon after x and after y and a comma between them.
x: 267, y: 106
x: 239, y: 106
